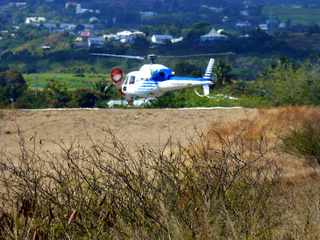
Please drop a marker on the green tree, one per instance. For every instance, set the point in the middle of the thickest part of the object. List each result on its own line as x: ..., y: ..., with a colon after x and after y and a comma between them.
x: 12, y: 85
x: 288, y: 84
x: 222, y: 71
x: 85, y: 98
x: 185, y: 68
x: 58, y: 94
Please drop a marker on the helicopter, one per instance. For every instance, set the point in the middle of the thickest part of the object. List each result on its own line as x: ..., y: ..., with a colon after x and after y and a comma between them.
x: 154, y: 80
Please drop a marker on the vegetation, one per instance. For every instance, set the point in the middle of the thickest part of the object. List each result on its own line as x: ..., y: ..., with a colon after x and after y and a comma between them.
x: 305, y: 140
x: 283, y: 83
x: 107, y: 193
x: 71, y: 80
x: 289, y: 84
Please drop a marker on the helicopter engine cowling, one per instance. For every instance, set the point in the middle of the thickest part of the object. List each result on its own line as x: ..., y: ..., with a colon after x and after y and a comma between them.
x: 117, y: 77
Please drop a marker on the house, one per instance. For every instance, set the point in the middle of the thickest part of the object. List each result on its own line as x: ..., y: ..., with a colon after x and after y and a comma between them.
x: 88, y: 27
x: 213, y: 9
x: 225, y: 19
x: 18, y: 4
x: 244, y: 13
x: 111, y: 37
x: 50, y: 26
x: 148, y: 14
x: 78, y: 39
x: 35, y: 20
x: 282, y: 25
x: 45, y: 47
x: 264, y: 27
x: 177, y: 40
x: 93, y: 20
x: 245, y: 35
x: 96, y: 42
x: 71, y: 4
x: 67, y: 26
x: 85, y: 34
x: 161, y: 39
x: 213, y: 35
x: 80, y: 10
x: 243, y: 24
x: 129, y: 36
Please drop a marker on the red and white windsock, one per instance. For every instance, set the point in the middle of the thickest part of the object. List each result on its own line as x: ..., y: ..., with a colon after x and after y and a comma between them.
x: 117, y: 77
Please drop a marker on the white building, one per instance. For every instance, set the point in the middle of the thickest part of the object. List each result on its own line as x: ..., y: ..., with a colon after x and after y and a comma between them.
x: 129, y: 36
x: 68, y: 26
x: 177, y: 40
x: 243, y: 24
x: 18, y: 4
x: 213, y: 9
x: 111, y: 37
x: 264, y: 27
x: 96, y: 42
x: 161, y: 39
x: 148, y: 14
x: 35, y: 20
x: 213, y: 35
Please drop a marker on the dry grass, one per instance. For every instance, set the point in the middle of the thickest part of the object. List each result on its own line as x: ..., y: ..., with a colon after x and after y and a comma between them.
x: 274, y: 125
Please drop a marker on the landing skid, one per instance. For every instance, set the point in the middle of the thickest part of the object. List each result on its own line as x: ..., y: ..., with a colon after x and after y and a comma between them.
x: 130, y: 103
x: 202, y: 95
x: 216, y: 96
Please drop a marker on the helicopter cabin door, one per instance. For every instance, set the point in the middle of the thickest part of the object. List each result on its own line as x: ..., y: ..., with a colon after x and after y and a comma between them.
x: 129, y: 83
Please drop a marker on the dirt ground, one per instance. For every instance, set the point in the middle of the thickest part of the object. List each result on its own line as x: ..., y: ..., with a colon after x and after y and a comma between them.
x: 133, y: 127
x: 151, y: 127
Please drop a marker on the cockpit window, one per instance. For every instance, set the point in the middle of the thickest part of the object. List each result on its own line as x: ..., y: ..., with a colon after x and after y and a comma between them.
x: 126, y: 81
x: 132, y: 80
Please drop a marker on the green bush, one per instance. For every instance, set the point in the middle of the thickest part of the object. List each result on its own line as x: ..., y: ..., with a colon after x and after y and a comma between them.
x: 12, y: 86
x: 84, y: 98
x: 33, y: 99
x: 305, y: 140
x: 288, y: 84
x: 59, y: 96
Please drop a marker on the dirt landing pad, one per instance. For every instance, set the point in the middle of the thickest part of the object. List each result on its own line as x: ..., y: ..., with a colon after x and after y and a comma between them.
x: 133, y: 127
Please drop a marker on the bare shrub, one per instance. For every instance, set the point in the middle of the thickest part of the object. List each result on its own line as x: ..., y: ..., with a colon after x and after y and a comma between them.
x: 226, y: 190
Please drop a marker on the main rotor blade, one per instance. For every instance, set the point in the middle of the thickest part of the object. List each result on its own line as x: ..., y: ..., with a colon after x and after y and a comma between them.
x: 198, y: 55
x: 118, y: 56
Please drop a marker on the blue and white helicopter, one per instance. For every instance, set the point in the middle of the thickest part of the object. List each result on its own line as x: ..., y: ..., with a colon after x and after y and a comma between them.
x: 154, y: 80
